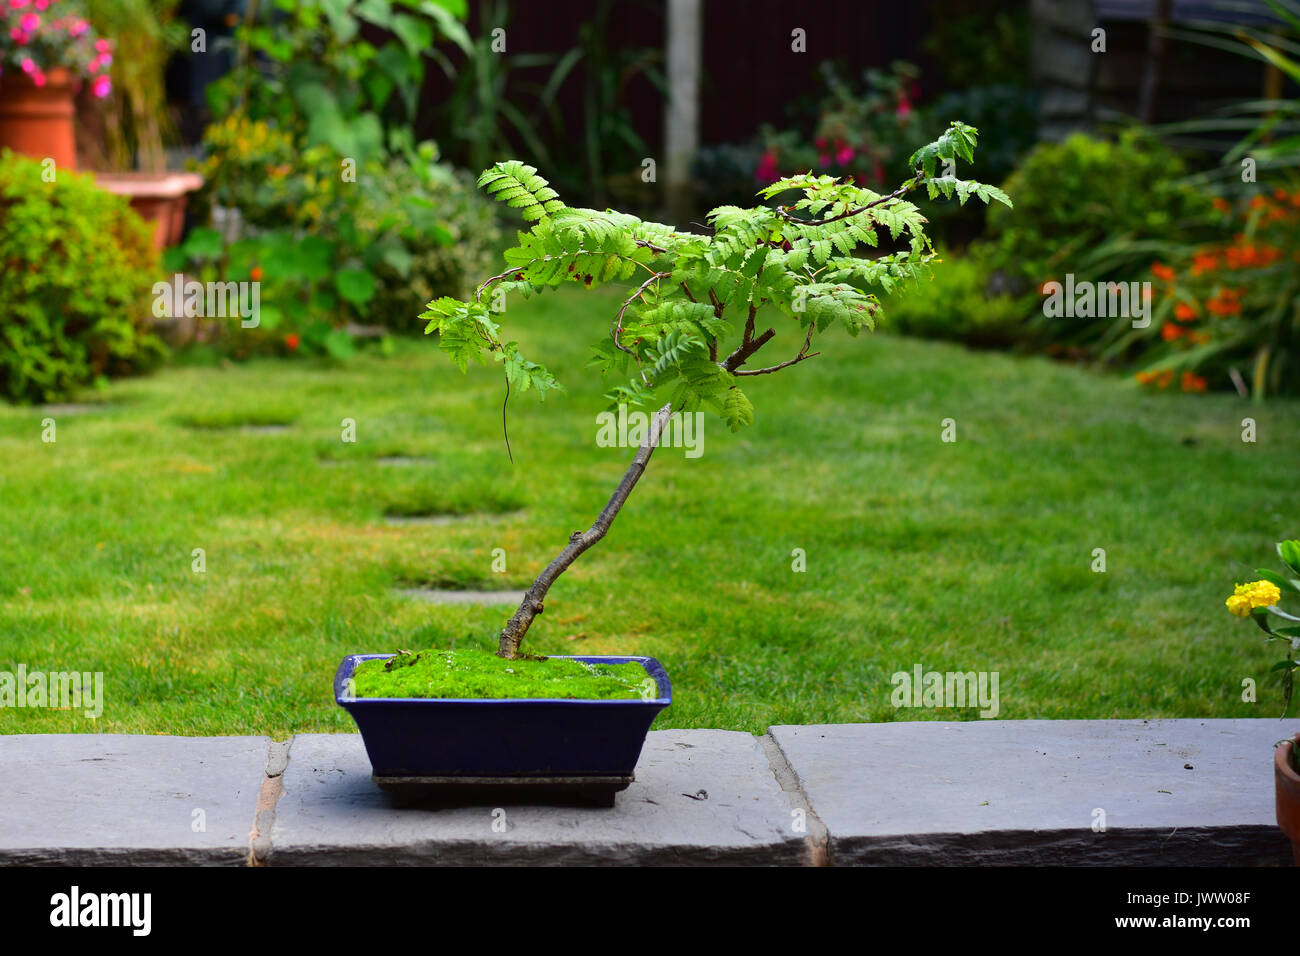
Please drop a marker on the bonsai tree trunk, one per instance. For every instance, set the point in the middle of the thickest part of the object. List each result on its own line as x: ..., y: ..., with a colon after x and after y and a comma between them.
x: 512, y: 635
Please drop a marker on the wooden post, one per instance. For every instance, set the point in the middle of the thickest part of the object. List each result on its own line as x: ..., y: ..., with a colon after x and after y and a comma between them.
x: 682, y: 111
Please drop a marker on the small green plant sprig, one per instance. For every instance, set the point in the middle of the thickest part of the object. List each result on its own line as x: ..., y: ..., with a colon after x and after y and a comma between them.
x: 1258, y: 600
x: 688, y: 331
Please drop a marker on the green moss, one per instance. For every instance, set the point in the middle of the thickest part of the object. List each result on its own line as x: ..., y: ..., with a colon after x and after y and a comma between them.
x: 481, y: 674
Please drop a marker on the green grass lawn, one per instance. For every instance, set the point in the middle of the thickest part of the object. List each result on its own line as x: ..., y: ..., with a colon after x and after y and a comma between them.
x: 973, y: 555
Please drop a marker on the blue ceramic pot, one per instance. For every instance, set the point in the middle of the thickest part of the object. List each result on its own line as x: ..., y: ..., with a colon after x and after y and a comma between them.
x: 484, y: 739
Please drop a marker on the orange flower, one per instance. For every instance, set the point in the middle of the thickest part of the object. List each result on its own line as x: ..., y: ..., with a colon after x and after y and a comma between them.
x: 256, y: 273
x: 1184, y: 312
x: 1227, y: 302
x: 1169, y: 331
x: 1146, y: 378
x: 1192, y: 382
x: 1162, y: 271
x: 1204, y: 262
x: 1165, y: 378
x: 1221, y: 204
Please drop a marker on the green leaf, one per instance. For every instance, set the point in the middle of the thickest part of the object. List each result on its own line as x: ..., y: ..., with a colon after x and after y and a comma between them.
x: 1289, y: 552
x: 203, y: 243
x: 416, y: 35
x: 339, y: 345
x: 355, y: 285
x: 341, y: 22
x: 737, y: 409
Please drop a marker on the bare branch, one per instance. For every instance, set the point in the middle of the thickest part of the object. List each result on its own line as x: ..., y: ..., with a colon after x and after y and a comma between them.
x: 745, y: 350
x: 803, y: 355
x: 478, y: 296
x: 512, y: 634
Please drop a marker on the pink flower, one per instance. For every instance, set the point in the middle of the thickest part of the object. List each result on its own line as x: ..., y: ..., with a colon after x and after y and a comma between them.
x: 18, y: 4
x: 904, y: 107
x: 18, y: 36
x: 845, y: 155
x: 29, y: 22
x: 28, y: 65
x: 767, y: 171
x: 78, y: 28
x: 42, y: 4
x: 823, y: 159
x: 38, y: 78
x: 102, y: 86
x: 102, y: 45
x: 105, y: 60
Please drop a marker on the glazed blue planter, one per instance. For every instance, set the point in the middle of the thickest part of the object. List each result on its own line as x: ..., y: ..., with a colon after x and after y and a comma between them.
x: 437, y: 744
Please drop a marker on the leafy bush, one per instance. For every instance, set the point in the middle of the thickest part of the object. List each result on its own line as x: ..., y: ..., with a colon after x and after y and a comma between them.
x: 336, y: 250
x: 1232, y: 305
x: 1080, y: 193
x: 954, y: 304
x: 310, y: 67
x: 76, y: 270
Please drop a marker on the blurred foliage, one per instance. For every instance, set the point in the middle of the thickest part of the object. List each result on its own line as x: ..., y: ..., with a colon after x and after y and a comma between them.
x: 987, y: 46
x: 954, y: 304
x: 144, y: 33
x: 503, y: 106
x: 1231, y: 304
x: 307, y: 65
x: 1085, y: 202
x: 335, y: 247
x: 79, y: 265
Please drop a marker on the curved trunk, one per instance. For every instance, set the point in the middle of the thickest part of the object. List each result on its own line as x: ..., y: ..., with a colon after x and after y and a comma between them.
x: 512, y: 635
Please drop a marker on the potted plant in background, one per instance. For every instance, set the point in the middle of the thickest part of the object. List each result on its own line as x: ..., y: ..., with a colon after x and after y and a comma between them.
x: 47, y: 48
x: 127, y: 137
x: 1258, y: 601
x: 687, y: 335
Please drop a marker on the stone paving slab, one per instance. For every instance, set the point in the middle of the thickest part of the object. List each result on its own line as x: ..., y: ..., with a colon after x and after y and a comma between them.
x: 442, y: 596
x: 91, y: 799
x: 1027, y: 792
x: 700, y: 797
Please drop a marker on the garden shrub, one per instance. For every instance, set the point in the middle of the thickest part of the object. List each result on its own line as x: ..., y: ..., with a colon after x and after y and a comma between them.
x: 76, y: 269
x: 380, y: 244
x: 954, y: 304
x: 1082, y: 192
x: 1232, y: 305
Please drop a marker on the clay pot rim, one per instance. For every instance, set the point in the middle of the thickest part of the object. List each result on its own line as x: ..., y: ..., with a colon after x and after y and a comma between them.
x: 1280, y: 754
x: 55, y: 77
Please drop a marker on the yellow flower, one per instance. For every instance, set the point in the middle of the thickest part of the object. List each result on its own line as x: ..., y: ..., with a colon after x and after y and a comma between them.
x: 1246, y: 597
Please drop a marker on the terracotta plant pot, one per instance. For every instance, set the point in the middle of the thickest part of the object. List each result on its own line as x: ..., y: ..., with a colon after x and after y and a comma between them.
x: 37, y: 121
x: 159, y: 198
x: 1288, y: 793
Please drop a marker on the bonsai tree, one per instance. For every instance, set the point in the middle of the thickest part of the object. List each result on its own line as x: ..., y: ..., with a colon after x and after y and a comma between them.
x: 688, y: 333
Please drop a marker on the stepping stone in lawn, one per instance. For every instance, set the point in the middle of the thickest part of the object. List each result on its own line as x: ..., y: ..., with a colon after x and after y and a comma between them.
x: 402, y: 461
x: 70, y: 408
x: 403, y: 520
x: 445, y: 596
x: 385, y: 461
